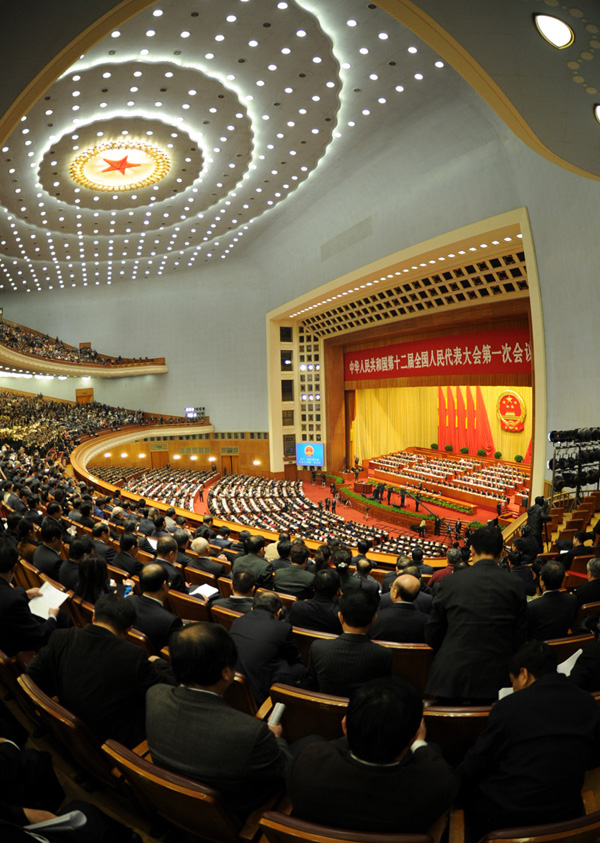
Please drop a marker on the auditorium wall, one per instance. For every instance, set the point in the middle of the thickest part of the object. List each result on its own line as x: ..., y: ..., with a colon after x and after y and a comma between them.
x: 452, y: 164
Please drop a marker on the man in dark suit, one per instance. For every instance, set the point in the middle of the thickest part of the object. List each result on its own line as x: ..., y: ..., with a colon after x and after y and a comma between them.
x: 402, y: 621
x: 98, y: 675
x: 255, y: 562
x: 282, y: 558
x: 551, y: 615
x: 131, y: 526
x: 589, y: 592
x: 101, y: 536
x: 204, y: 562
x: 19, y: 628
x: 222, y: 539
x: 543, y: 736
x: 578, y: 549
x: 68, y: 574
x: 478, y: 619
x: 46, y: 557
x: 382, y: 777
x: 166, y: 555
x: 243, y: 593
x: 423, y: 599
x: 193, y: 731
x: 321, y: 611
x: 341, y: 665
x: 126, y: 557
x: 152, y: 618
x: 296, y: 579
x: 364, y: 567
x: 266, y: 649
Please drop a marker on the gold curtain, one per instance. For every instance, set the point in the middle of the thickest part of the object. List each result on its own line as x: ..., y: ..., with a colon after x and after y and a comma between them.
x: 392, y: 419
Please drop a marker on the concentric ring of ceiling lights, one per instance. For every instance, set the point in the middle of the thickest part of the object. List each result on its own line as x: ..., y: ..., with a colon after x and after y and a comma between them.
x: 243, y: 97
x: 107, y: 166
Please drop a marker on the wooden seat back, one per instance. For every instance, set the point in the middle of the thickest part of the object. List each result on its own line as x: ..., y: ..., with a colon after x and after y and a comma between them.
x: 189, y: 805
x: 411, y: 662
x: 586, y: 611
x: 582, y: 830
x: 197, y: 577
x: 137, y: 637
x: 286, y: 599
x: 70, y: 733
x: 117, y: 574
x: 455, y: 728
x: 240, y: 696
x: 224, y: 616
x: 188, y: 608
x: 225, y: 586
x: 309, y: 712
x: 565, y: 647
x: 34, y: 577
x: 83, y: 611
x: 280, y: 828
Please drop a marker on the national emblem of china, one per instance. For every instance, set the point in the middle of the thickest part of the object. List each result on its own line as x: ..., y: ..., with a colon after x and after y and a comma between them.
x: 511, y: 411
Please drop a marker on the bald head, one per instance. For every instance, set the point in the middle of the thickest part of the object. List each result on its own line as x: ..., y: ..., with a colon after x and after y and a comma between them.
x: 405, y: 588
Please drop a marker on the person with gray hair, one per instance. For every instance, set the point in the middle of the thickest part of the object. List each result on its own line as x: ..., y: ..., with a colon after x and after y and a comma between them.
x: 589, y: 592
x: 203, y: 562
x: 453, y: 557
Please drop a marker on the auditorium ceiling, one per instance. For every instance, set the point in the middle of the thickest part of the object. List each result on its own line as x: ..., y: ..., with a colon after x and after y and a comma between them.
x: 163, y: 143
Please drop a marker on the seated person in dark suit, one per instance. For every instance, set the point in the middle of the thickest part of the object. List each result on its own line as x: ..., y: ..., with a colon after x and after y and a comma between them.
x: 295, y: 579
x: 589, y: 592
x: 182, y: 537
x: 254, y: 561
x: 267, y: 652
x: 424, y: 598
x: 544, y: 736
x: 341, y: 558
x: 272, y: 551
x: 86, y: 515
x: 98, y: 675
x: 152, y: 618
x: 244, y: 586
x: 93, y: 579
x: 578, y: 549
x: 363, y: 574
x: 401, y: 621
x: 101, y: 536
x: 68, y: 574
x: 551, y: 615
x: 160, y: 528
x: 388, y: 580
x: 519, y: 565
x: 11, y: 533
x: 27, y: 540
x: 125, y: 559
x: 417, y: 558
x: 405, y: 782
x: 146, y: 525
x: 222, y: 539
x: 166, y: 555
x: 204, y: 562
x: 19, y: 628
x: 193, y: 731
x: 321, y: 611
x: 46, y: 557
x: 131, y: 526
x: 341, y: 665
x: 282, y: 559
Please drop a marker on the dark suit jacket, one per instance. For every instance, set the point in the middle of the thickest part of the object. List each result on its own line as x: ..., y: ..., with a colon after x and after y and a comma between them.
x: 580, y: 550
x: 326, y: 783
x: 176, y: 581
x: 550, y: 615
x: 529, y: 740
x: 199, y: 735
x: 68, y: 574
x: 478, y: 619
x: 100, y: 678
x: 422, y: 601
x: 341, y: 665
x: 589, y: 592
x: 258, y: 566
x: 586, y: 672
x: 203, y: 563
x: 105, y: 551
x: 47, y: 560
x: 266, y: 651
x: 294, y: 580
x: 126, y: 562
x: 19, y: 629
x: 400, y: 622
x: 236, y: 604
x: 154, y: 620
x: 317, y: 613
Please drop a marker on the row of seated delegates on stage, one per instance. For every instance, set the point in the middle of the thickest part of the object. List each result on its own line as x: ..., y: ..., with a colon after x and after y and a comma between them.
x: 281, y: 506
x: 42, y: 345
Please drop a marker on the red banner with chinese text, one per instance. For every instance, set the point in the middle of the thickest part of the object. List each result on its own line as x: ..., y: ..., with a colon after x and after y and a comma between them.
x: 483, y: 352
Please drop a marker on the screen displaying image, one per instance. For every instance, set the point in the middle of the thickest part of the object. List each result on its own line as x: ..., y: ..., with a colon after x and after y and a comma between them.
x: 309, y: 453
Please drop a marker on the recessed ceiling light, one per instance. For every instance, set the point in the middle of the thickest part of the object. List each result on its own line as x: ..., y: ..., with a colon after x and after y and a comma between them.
x: 597, y: 112
x: 555, y: 31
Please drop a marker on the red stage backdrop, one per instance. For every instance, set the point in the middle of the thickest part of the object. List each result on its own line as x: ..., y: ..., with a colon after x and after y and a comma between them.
x: 485, y: 352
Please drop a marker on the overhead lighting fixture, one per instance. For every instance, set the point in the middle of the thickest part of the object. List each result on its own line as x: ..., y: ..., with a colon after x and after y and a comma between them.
x: 555, y: 31
x: 597, y: 112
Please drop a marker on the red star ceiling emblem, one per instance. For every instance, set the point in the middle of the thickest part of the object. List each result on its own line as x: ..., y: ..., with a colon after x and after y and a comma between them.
x: 118, y: 166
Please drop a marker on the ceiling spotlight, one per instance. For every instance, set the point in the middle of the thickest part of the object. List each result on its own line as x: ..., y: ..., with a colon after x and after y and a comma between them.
x: 555, y: 31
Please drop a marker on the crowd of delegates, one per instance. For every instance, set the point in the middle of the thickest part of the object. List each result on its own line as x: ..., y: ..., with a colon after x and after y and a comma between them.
x: 282, y: 505
x: 38, y: 424
x: 114, y: 474
x: 174, y: 486
x: 52, y: 348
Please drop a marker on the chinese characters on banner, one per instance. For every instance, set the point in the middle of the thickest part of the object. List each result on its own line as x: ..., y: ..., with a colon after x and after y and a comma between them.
x: 484, y: 352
